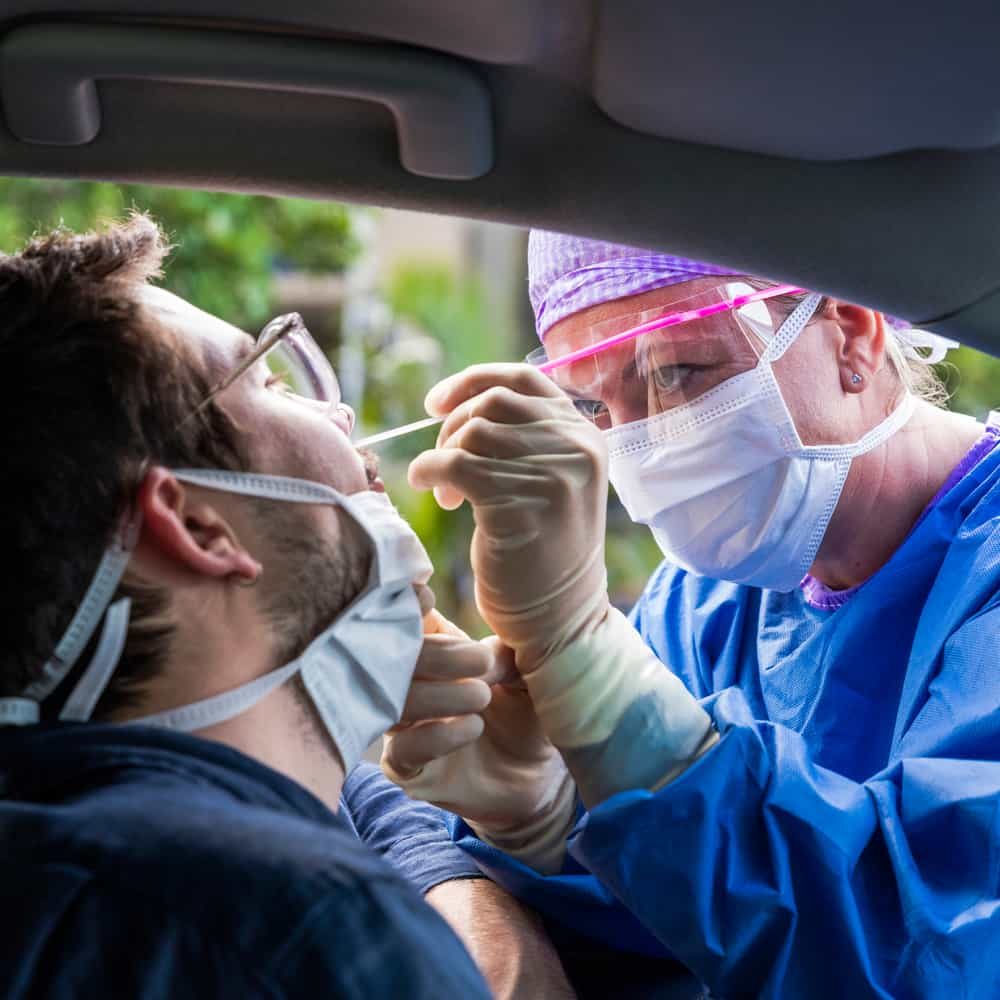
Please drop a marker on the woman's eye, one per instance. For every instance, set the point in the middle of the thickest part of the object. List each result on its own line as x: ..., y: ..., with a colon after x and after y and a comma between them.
x: 593, y: 409
x: 671, y: 377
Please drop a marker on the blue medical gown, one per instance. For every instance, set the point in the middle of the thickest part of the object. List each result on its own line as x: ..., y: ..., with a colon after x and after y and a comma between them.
x: 843, y: 837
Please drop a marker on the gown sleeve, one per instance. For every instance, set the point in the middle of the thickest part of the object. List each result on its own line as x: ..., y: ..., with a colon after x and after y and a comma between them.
x: 768, y: 875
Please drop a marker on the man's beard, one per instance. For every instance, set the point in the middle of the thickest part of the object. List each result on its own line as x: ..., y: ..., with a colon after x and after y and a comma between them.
x: 313, y: 582
x: 309, y: 580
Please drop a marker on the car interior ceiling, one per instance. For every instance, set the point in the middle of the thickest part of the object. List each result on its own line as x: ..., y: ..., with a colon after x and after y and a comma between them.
x: 850, y: 147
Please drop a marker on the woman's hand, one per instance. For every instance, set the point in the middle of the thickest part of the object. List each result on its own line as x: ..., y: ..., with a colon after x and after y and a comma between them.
x: 470, y: 742
x: 535, y: 473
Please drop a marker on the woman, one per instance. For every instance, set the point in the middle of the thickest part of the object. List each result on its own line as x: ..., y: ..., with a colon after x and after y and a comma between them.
x: 806, y: 802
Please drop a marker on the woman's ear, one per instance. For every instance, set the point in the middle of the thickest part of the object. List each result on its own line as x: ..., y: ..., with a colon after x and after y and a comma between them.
x: 181, y: 531
x: 861, y: 350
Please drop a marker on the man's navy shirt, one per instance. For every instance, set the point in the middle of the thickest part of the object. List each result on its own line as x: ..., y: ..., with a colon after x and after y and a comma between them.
x: 137, y: 862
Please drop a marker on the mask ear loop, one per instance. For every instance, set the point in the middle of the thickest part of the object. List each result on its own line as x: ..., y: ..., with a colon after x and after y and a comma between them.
x: 789, y: 331
x: 95, y: 601
x: 85, y: 696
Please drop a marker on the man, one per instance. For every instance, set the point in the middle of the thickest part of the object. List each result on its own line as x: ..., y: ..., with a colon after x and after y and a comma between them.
x: 253, y: 586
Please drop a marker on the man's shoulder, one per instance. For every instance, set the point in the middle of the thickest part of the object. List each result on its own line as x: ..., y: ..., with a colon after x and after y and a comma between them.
x: 180, y: 838
x: 195, y: 880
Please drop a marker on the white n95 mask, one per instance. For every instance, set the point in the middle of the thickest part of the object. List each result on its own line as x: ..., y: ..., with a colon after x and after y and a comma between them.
x: 357, y: 671
x: 725, y: 483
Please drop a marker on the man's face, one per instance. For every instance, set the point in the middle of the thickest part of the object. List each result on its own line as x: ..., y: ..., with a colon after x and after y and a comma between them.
x: 315, y: 557
x: 282, y: 434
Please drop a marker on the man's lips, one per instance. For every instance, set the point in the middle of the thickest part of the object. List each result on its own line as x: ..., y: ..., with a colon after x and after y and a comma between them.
x: 370, y: 461
x: 342, y: 419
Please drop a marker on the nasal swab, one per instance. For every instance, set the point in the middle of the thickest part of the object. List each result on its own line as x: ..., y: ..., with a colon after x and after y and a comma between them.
x: 417, y: 425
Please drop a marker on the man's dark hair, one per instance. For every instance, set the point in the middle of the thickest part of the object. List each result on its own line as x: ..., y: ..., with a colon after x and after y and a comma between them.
x: 93, y: 389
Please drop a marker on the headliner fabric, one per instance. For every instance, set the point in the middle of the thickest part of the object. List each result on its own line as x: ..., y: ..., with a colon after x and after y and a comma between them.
x: 567, y: 274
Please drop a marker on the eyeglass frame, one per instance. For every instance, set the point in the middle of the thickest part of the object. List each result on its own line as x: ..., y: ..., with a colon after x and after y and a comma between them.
x: 272, y: 333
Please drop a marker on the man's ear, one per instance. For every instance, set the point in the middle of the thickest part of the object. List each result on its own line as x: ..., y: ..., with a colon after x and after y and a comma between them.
x: 189, y: 533
x: 861, y: 350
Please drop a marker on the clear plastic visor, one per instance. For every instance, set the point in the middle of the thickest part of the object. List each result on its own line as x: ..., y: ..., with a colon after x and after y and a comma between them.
x: 632, y: 367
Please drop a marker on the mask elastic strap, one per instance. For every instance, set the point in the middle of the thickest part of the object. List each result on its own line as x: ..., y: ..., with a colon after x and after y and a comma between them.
x: 265, y: 487
x: 221, y: 707
x: 876, y: 436
x: 88, y: 615
x: 789, y: 331
x: 894, y: 422
x: 85, y: 696
x: 285, y: 488
x: 18, y: 712
x: 24, y: 710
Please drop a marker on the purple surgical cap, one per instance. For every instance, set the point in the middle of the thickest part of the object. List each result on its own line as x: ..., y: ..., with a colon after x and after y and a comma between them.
x: 567, y: 274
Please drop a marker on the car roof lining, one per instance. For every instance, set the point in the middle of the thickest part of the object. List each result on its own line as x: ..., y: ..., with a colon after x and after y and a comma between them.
x: 912, y: 232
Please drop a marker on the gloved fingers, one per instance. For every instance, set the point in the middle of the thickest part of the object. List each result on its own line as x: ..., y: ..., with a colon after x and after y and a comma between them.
x: 429, y: 700
x: 481, y: 436
x: 407, y: 751
x: 426, y: 598
x: 455, y: 389
x: 501, y: 405
x: 452, y: 658
x: 502, y: 667
x: 459, y: 475
x: 435, y: 623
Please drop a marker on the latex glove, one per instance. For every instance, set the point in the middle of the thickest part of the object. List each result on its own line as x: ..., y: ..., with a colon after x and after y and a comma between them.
x: 535, y: 472
x: 619, y: 717
x: 496, y: 769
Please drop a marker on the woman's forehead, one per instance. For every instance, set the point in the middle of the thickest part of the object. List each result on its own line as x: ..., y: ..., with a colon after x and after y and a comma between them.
x: 565, y: 335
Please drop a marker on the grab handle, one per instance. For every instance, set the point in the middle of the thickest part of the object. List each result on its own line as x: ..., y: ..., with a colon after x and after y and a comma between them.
x: 442, y: 109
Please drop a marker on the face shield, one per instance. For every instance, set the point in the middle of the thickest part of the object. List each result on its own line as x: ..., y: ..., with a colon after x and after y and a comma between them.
x: 630, y: 368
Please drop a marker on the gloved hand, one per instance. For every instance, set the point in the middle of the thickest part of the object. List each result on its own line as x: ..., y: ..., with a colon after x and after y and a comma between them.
x: 495, y: 769
x: 535, y: 472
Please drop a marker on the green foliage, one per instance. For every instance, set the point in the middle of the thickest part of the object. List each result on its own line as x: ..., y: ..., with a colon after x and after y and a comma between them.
x: 973, y: 380
x: 227, y: 246
x: 451, y: 308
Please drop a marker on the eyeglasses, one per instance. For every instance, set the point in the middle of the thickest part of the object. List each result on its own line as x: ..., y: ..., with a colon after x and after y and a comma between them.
x: 294, y: 359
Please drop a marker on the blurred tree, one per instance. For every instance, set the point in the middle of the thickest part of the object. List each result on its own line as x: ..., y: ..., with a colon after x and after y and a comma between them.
x: 227, y: 246
x: 451, y: 308
x: 973, y: 381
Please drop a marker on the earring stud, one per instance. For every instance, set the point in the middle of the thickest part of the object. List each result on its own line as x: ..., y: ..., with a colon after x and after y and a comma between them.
x: 856, y: 379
